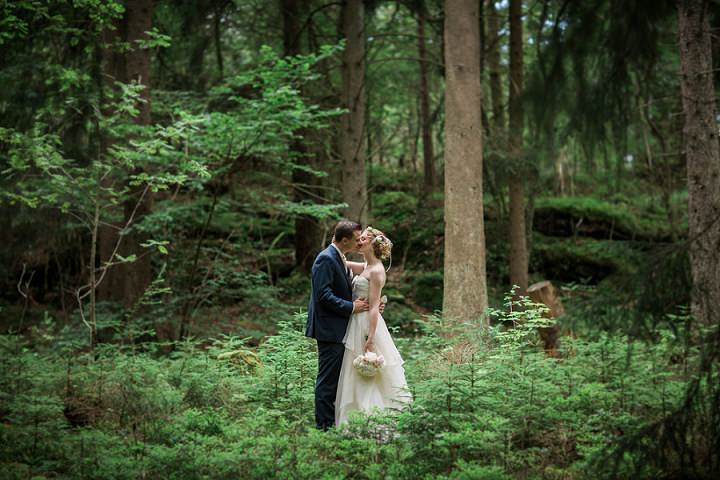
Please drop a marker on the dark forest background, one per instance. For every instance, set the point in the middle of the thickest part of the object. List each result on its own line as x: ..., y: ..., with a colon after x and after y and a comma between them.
x: 170, y: 169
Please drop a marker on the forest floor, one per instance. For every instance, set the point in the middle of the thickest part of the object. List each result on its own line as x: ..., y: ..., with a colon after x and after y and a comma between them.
x: 488, y: 404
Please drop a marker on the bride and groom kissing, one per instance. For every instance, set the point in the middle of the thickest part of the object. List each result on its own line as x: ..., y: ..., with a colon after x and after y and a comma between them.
x: 344, y: 317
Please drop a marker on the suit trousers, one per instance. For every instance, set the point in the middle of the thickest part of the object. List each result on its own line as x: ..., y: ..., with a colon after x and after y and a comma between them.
x: 330, y: 356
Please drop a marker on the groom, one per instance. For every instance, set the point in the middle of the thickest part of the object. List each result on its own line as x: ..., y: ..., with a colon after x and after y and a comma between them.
x: 329, y: 312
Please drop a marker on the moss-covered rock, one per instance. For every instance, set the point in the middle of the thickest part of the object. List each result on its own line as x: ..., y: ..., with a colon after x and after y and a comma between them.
x: 568, y: 259
x: 591, y: 217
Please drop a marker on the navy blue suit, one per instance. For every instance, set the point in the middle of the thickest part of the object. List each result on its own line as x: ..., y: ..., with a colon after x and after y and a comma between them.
x: 329, y: 312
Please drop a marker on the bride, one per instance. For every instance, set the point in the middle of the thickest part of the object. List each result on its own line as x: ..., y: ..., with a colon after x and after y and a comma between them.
x: 367, y: 332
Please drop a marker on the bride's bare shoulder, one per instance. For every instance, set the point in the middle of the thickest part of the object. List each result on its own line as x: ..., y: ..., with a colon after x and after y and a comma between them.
x: 377, y: 273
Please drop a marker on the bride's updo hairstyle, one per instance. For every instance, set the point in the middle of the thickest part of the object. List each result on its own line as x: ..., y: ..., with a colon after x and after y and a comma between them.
x: 382, y: 246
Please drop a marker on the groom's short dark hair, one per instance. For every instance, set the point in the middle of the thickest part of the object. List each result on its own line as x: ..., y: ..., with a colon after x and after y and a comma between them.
x: 345, y: 229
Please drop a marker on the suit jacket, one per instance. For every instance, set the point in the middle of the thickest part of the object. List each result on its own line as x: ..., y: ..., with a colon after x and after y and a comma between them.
x: 331, y: 303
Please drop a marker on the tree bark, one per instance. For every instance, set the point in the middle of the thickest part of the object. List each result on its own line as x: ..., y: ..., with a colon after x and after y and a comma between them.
x: 217, y: 34
x: 306, y: 227
x: 494, y: 68
x: 352, y: 141
x: 139, y: 22
x: 518, y: 246
x: 545, y: 292
x: 465, y: 283
x: 702, y: 153
x: 429, y: 167
x: 137, y: 276
x: 112, y: 68
x: 127, y: 282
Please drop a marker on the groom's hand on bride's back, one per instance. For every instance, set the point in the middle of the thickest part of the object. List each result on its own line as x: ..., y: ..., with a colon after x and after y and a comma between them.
x: 360, y: 305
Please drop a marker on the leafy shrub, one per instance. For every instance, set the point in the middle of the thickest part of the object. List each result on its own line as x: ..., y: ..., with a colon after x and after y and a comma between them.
x: 582, y: 258
x: 487, y: 404
x: 563, y: 216
x: 427, y: 288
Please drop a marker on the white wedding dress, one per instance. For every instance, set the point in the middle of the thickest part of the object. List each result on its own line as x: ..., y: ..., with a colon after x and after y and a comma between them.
x: 388, y: 388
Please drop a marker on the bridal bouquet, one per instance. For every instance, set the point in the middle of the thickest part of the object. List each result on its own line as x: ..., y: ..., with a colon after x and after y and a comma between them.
x: 368, y: 364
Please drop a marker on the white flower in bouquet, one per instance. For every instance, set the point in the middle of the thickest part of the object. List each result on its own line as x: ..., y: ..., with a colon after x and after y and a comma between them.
x: 368, y: 364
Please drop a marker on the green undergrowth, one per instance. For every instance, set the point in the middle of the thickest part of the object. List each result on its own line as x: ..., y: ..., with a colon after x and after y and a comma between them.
x: 588, y: 216
x: 488, y: 404
x: 571, y: 259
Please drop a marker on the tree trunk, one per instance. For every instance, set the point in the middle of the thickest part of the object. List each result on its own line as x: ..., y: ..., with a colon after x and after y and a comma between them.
x: 465, y: 287
x: 702, y: 154
x: 291, y: 27
x: 380, y: 139
x: 93, y: 276
x: 429, y: 170
x: 494, y: 68
x: 217, y: 34
x: 352, y: 142
x: 544, y: 292
x: 306, y: 227
x: 112, y: 68
x: 139, y: 22
x: 138, y: 275
x: 496, y: 127
x: 127, y: 282
x: 518, y: 246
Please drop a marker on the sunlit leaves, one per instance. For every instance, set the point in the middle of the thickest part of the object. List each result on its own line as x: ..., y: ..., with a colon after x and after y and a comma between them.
x: 155, y: 40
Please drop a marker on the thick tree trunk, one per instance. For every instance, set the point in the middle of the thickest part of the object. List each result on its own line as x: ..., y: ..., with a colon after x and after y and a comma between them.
x: 112, y: 69
x: 127, y: 282
x: 518, y: 246
x: 702, y: 154
x: 306, y: 227
x: 465, y: 287
x: 138, y: 275
x: 483, y: 41
x: 352, y: 142
x: 429, y: 170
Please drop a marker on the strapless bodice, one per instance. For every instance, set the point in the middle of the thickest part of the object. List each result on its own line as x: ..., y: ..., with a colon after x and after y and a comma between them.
x: 361, y: 287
